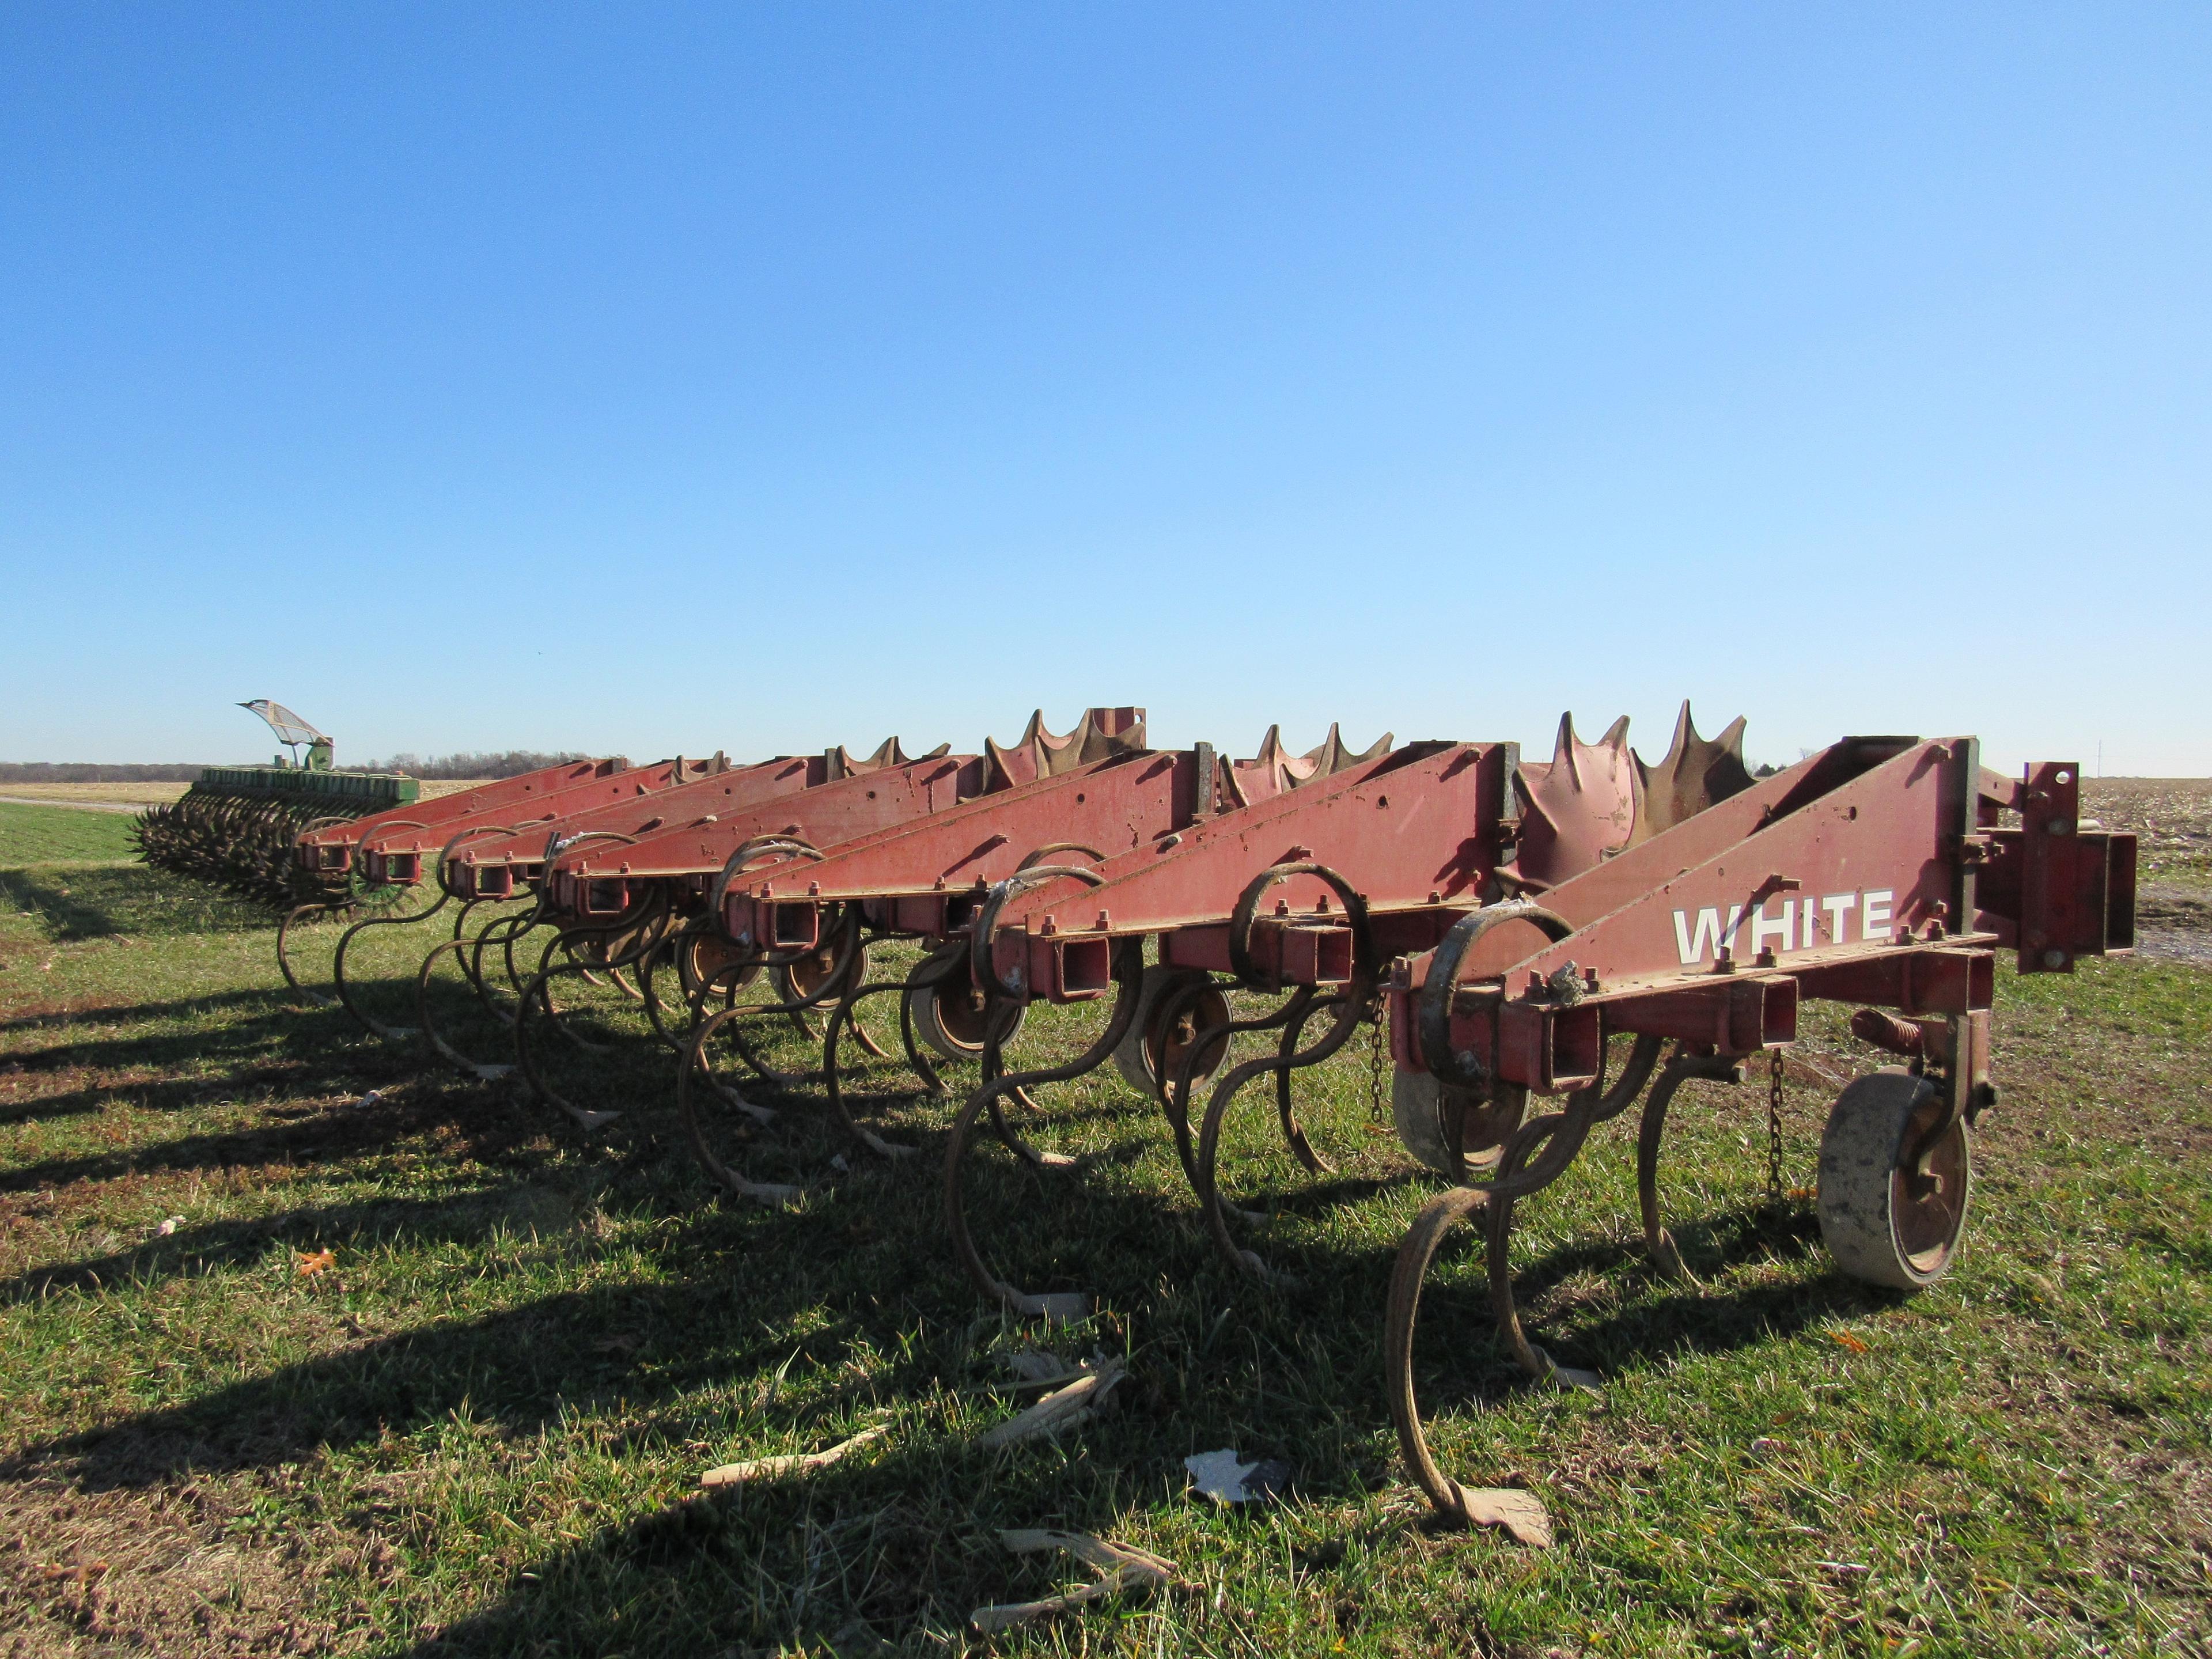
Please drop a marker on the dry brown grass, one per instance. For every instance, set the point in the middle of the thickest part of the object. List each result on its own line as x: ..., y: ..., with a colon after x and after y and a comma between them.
x: 2171, y: 818
x: 95, y: 795
x: 160, y: 794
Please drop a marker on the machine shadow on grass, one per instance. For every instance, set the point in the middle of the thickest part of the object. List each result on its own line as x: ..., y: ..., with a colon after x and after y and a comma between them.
x: 861, y: 1257
x: 472, y: 1217
x: 309, y: 1134
x: 902, y: 1536
x: 97, y: 901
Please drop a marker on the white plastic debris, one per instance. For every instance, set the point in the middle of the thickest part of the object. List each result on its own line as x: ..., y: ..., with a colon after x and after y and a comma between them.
x: 1226, y: 1478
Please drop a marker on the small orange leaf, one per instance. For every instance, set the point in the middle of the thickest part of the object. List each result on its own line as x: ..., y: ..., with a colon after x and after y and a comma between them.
x: 1845, y: 1339
x: 311, y: 1262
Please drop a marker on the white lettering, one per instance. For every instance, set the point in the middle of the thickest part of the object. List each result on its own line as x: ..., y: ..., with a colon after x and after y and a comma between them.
x: 1710, y: 934
x: 1784, y: 927
x: 1838, y: 905
x: 1873, y: 915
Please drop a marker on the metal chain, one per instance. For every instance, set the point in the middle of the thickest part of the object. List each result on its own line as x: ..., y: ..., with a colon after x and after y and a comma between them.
x: 1774, y: 1130
x: 1375, y: 1066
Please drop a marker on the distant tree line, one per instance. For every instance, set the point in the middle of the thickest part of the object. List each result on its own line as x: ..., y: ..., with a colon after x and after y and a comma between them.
x: 76, y: 772
x: 464, y: 764
x: 468, y: 764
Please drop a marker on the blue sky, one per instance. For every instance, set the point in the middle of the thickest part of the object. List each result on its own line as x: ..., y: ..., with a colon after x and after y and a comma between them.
x: 659, y: 380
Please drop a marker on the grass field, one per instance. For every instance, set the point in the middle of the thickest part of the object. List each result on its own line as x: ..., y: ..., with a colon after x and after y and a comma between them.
x: 478, y: 1429
x: 34, y: 835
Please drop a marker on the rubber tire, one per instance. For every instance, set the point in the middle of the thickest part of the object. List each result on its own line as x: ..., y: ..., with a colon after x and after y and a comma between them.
x: 1417, y: 1108
x: 931, y: 1029
x: 1875, y: 1232
x: 1417, y: 1102
x: 1131, y: 1057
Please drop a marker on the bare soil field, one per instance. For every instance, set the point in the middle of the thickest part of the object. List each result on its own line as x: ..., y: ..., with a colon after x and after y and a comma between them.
x: 124, y: 797
x: 2173, y: 821
x: 132, y: 796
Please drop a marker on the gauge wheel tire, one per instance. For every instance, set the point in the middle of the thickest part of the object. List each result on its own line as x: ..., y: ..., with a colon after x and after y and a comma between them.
x: 1417, y: 1108
x: 1873, y: 1225
x: 961, y: 1036
x: 1137, y: 1056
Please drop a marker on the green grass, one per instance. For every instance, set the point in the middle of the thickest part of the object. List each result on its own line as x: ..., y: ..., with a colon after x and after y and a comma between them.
x: 479, y: 1432
x: 61, y: 835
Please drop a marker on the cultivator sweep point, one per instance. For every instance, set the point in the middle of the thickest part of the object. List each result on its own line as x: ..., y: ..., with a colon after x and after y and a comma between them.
x: 1590, y: 931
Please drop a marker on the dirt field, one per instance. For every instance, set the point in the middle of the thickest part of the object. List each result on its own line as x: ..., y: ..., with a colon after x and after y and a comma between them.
x: 134, y: 796
x: 2172, y: 820
x: 122, y: 795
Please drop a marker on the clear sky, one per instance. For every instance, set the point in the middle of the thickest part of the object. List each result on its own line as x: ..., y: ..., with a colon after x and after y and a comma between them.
x: 652, y: 380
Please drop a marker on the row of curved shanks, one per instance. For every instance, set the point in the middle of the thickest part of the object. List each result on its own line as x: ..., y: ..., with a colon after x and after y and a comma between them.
x: 1167, y: 1030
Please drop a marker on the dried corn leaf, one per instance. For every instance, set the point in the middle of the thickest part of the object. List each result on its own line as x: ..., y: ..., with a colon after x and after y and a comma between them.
x: 1120, y: 1566
x: 1227, y: 1479
x: 761, y: 1468
x: 1062, y: 1408
x: 1036, y: 1369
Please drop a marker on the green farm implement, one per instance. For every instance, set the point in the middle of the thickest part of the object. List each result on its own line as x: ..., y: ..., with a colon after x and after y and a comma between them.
x: 237, y: 825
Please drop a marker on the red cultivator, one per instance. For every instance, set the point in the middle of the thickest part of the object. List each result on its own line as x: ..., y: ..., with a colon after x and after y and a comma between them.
x: 634, y: 888
x: 1876, y: 872
x: 1301, y: 895
x: 1523, y: 929
x: 1681, y: 904
x: 941, y: 879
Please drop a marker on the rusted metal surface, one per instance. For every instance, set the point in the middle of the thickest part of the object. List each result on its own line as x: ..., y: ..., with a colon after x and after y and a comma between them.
x: 497, y: 867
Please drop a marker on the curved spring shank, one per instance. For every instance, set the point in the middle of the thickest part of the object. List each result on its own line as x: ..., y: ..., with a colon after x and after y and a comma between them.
x: 1128, y: 971
x: 1680, y: 1069
x: 1348, y: 1004
x: 468, y: 951
x: 1282, y: 1063
x: 695, y: 1059
x: 445, y: 894
x: 851, y: 966
x: 538, y: 994
x: 292, y: 917
x: 1521, y: 1170
x: 1174, y: 1093
x: 338, y: 905
x: 928, y: 974
x: 848, y: 967
x: 337, y: 965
